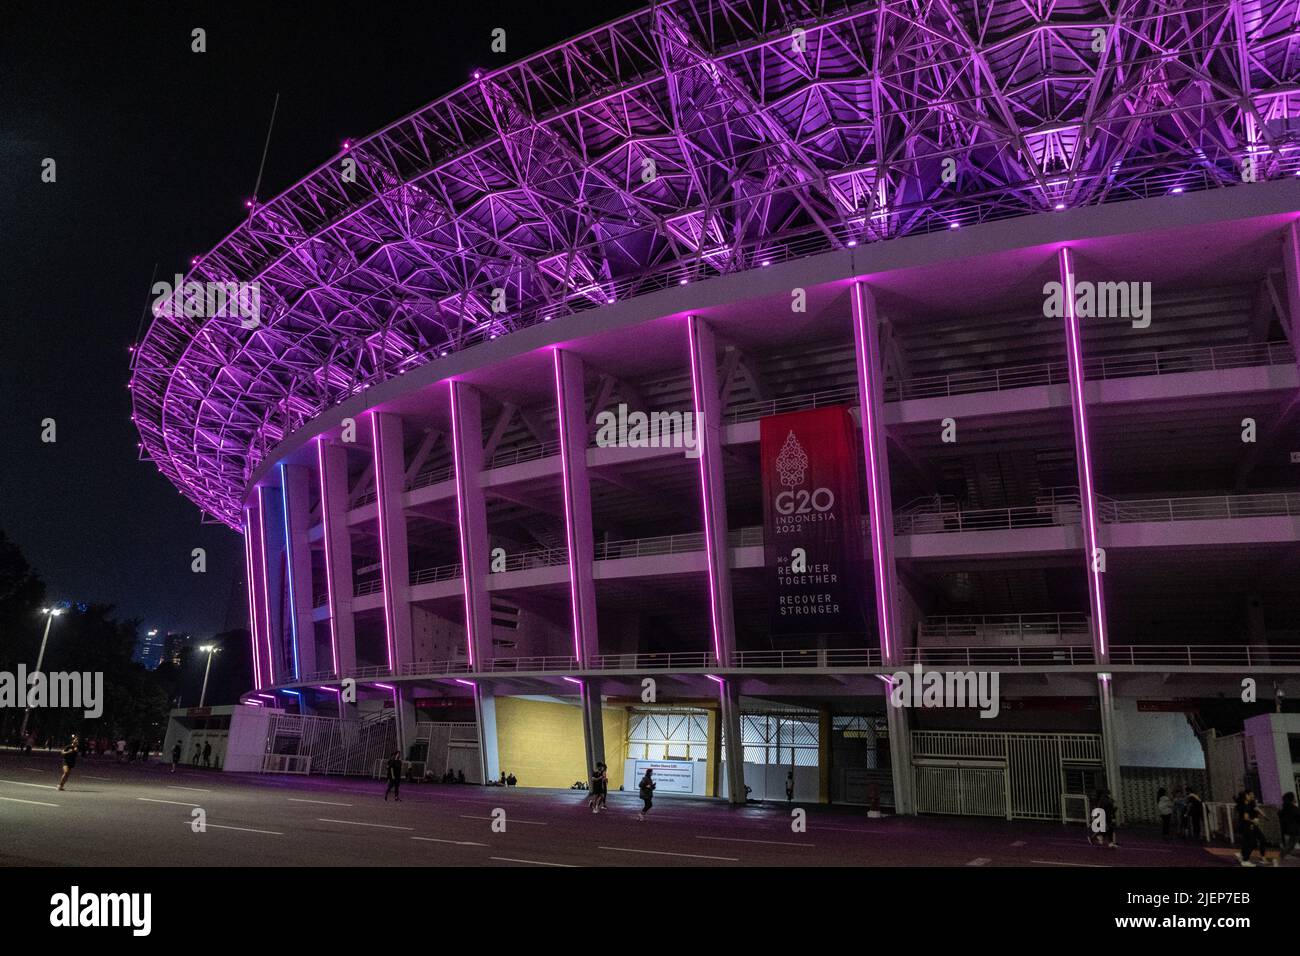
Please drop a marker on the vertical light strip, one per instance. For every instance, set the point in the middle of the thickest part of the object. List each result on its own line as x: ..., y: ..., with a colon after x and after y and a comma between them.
x: 461, y: 526
x: 1075, y: 359
x: 384, y: 581
x: 329, y: 557
x: 252, y: 596
x: 289, y: 571
x: 569, y: 536
x: 867, y: 392
x: 706, y: 488
x: 266, y: 582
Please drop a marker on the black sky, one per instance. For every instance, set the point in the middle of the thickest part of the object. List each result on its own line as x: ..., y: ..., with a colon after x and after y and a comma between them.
x: 156, y: 149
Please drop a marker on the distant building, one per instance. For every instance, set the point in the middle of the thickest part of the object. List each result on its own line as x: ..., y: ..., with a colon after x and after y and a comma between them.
x: 173, y: 647
x: 149, y: 649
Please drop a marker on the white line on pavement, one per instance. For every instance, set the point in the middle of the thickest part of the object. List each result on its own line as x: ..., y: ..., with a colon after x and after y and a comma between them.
x: 41, y: 786
x: 175, y: 803
x: 978, y: 861
x: 1128, y: 847
x: 1018, y: 843
x: 531, y: 823
x: 91, y: 776
x: 743, y: 840
x: 1095, y: 866
x: 195, y: 789
x: 507, y: 859
x: 35, y: 803
x: 453, y: 842
x: 358, y: 823
x: 328, y: 803
x: 218, y: 826
x: 696, y: 856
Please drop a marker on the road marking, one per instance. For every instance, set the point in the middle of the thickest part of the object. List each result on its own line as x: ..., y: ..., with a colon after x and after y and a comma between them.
x: 1095, y: 866
x: 696, y: 856
x: 743, y: 840
x: 978, y: 861
x: 35, y: 803
x: 40, y: 786
x: 358, y: 823
x: 327, y: 803
x: 850, y: 829
x: 218, y: 826
x: 531, y: 823
x: 175, y: 803
x: 1132, y: 849
x: 453, y: 842
x: 1018, y: 843
x: 507, y: 859
x: 195, y: 789
x: 91, y: 776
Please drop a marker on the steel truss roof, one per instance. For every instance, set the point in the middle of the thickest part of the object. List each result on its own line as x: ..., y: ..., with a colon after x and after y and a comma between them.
x: 694, y: 138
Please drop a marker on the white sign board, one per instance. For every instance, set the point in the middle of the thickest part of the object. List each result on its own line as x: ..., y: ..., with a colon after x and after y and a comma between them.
x: 670, y: 776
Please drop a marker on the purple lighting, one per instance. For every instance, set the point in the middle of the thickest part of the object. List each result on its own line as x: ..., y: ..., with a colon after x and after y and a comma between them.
x: 381, y: 515
x: 706, y: 492
x: 569, y: 535
x: 329, y: 558
x: 458, y: 473
x: 252, y: 596
x: 384, y: 686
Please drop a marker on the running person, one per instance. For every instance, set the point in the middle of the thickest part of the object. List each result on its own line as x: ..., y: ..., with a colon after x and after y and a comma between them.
x: 176, y: 755
x: 394, y: 778
x: 594, y: 800
x: 69, y: 760
x: 647, y: 790
x: 604, y: 787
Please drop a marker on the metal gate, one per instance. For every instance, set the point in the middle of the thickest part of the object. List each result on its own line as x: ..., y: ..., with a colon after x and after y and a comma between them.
x: 1034, y: 771
x: 967, y: 788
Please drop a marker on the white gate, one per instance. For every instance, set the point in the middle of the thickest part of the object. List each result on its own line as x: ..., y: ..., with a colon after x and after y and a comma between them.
x: 967, y: 788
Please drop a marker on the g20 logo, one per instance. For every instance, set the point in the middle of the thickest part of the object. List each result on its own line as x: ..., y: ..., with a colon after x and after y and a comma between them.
x: 804, y: 502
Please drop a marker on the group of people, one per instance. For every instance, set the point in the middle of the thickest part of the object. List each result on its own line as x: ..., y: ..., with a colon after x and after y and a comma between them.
x: 1251, y: 835
x: 1182, y: 814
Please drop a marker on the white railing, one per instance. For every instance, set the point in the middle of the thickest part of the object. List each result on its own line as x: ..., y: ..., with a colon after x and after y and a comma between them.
x: 986, y: 627
x: 431, y: 477
x: 1206, y: 655
x: 669, y: 660
x: 542, y: 558
x: 1062, y: 510
x: 552, y: 663
x: 750, y: 411
x: 444, y: 572
x: 1051, y: 655
x: 674, y: 544
x: 1119, y: 511
x: 525, y: 453
x: 815, y: 657
x: 286, y: 763
x: 368, y: 587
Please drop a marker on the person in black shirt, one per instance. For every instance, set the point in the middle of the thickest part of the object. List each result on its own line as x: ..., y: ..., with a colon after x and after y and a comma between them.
x: 69, y: 760
x: 176, y: 755
x: 1288, y: 819
x: 647, y: 790
x: 394, y: 777
x: 1247, y: 823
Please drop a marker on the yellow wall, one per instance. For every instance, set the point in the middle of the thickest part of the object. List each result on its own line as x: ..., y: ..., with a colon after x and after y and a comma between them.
x: 541, y: 742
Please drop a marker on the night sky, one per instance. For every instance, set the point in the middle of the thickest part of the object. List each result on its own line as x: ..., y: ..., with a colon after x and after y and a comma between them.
x: 157, y: 148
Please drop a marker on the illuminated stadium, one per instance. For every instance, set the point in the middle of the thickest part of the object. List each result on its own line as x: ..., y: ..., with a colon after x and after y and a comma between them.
x: 683, y: 383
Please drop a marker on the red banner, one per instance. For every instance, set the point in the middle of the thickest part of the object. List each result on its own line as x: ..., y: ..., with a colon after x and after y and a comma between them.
x: 812, y: 525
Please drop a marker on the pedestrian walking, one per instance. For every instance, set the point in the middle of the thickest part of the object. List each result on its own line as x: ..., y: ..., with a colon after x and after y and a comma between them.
x: 789, y: 787
x: 1288, y: 819
x: 1180, y: 814
x: 207, y: 753
x: 594, y: 800
x: 1105, y: 836
x: 1195, y: 813
x: 198, y: 755
x: 1165, y: 807
x: 69, y: 760
x: 647, y: 791
x: 394, y: 778
x: 176, y: 755
x: 1252, y: 838
x: 121, y: 749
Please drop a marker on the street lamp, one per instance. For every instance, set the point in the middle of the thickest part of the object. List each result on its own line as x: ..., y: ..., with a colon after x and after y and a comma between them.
x: 50, y: 614
x: 209, y: 649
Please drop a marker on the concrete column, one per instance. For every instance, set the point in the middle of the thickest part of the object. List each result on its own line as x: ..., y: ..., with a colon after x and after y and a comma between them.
x: 294, y: 493
x: 1093, y: 557
x: 485, y: 713
x: 1291, y: 270
x: 333, y: 471
x: 390, y: 477
x: 570, y: 401
x: 1106, y: 705
x: 900, y: 757
x: 267, y: 554
x: 733, y: 740
x: 593, y: 722
x: 252, y: 552
x: 880, y: 511
x: 471, y: 513
x: 708, y: 436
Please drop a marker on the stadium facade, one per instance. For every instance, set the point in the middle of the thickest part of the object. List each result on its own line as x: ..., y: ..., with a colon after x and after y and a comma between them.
x: 690, y: 381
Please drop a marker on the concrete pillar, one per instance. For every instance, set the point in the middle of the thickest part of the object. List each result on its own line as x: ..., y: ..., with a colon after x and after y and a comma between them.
x: 256, y: 600
x: 733, y: 740
x: 294, y: 493
x: 485, y: 713
x: 390, y: 478
x: 708, y: 436
x: 332, y: 462
x: 404, y: 704
x: 900, y: 757
x: 593, y: 722
x: 471, y: 514
x: 1093, y: 557
x: 1291, y: 273
x: 1106, y: 705
x: 268, y: 556
x: 570, y: 399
